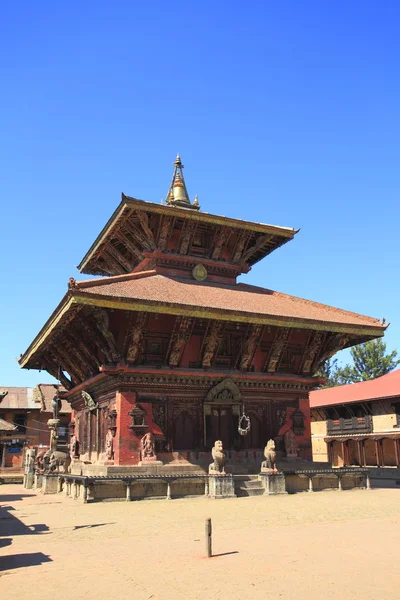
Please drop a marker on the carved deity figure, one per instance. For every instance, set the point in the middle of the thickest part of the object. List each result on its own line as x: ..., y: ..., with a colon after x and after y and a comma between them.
x: 270, y: 458
x: 147, y: 447
x: 109, y: 445
x: 218, y: 466
x: 291, y: 444
x: 74, y: 447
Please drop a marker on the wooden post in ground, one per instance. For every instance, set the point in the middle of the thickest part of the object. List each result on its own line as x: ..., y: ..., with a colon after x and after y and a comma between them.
x: 208, y: 531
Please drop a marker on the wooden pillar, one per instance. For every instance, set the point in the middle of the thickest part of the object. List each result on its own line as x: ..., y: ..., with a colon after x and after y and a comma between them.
x: 397, y: 453
x: 382, y: 461
x: 363, y: 454
x: 359, y: 453
x: 378, y: 462
x: 330, y: 453
x: 343, y: 453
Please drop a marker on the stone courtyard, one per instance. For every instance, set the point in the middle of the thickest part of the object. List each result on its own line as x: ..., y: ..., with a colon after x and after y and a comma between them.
x: 322, y: 545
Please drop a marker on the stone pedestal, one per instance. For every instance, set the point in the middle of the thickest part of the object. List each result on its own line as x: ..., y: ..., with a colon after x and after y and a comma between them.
x: 221, y: 486
x: 49, y: 484
x: 150, y: 463
x: 273, y: 483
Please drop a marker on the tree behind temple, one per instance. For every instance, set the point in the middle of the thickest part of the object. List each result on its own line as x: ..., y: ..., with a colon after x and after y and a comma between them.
x: 369, y: 361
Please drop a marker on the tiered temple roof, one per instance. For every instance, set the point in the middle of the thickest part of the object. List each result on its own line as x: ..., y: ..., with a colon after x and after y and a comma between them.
x: 174, y: 259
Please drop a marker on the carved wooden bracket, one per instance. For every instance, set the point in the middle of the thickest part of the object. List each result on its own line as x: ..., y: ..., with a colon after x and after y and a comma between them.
x: 213, y: 338
x: 277, y: 348
x: 251, y: 343
x: 182, y: 332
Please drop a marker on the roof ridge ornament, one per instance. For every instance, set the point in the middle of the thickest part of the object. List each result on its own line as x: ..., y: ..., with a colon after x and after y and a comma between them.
x: 177, y: 193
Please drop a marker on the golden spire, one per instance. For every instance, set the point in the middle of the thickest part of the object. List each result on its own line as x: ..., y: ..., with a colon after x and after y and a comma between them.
x: 177, y: 193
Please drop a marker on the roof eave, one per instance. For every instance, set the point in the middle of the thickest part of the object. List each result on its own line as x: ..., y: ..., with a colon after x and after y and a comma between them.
x: 127, y: 201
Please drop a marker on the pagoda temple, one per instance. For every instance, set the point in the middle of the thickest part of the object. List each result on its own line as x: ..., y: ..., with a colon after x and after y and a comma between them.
x: 165, y: 341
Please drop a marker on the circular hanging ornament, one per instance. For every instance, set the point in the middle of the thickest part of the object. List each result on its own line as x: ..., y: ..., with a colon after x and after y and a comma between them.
x: 244, y: 425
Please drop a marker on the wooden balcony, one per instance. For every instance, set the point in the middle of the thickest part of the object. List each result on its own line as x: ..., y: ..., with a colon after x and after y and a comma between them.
x: 351, y: 425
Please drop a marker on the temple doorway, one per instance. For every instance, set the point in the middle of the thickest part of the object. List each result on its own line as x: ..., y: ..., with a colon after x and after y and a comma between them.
x: 221, y: 425
x: 221, y: 414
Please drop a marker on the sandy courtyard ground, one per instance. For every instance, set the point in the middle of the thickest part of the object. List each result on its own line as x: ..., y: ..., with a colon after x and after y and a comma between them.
x: 339, y: 545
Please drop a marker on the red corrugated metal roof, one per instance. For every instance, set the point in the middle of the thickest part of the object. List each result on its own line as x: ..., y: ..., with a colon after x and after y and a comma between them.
x: 386, y: 386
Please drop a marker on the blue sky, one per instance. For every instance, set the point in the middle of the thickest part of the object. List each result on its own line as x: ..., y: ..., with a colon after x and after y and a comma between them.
x: 285, y: 113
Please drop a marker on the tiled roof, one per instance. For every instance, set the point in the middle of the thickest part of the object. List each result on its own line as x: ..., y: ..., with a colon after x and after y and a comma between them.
x: 6, y: 426
x: 18, y: 398
x: 48, y: 391
x: 387, y: 386
x: 23, y: 398
x: 239, y: 298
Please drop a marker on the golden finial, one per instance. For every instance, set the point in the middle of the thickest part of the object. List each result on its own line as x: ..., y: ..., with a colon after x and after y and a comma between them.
x: 196, y: 200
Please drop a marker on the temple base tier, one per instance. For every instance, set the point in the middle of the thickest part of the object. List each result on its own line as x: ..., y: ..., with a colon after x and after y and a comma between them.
x: 154, y: 422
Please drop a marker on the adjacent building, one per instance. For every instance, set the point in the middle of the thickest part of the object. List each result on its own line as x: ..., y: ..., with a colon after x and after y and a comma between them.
x: 24, y: 413
x: 358, y: 424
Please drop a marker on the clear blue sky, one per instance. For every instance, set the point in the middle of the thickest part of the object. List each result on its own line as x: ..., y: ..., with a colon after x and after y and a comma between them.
x: 283, y: 112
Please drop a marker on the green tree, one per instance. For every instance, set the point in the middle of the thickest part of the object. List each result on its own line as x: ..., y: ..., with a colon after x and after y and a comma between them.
x: 328, y: 370
x: 370, y: 360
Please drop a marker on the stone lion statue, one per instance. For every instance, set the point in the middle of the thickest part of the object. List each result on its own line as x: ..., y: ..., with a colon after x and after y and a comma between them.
x: 218, y: 466
x: 270, y: 457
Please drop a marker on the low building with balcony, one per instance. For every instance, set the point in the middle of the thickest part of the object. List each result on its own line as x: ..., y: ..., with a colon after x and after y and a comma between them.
x: 358, y: 424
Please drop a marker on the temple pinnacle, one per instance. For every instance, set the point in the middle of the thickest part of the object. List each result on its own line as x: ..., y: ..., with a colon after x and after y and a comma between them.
x: 177, y: 193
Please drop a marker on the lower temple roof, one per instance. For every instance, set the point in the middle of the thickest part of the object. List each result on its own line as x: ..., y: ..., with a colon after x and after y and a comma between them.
x: 236, y: 300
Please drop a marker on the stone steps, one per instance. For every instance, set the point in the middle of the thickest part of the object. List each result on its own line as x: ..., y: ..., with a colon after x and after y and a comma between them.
x: 248, y: 485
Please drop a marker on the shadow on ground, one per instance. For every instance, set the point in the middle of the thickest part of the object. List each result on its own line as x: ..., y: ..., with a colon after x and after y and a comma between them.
x: 16, y: 561
x: 11, y: 526
x: 14, y: 497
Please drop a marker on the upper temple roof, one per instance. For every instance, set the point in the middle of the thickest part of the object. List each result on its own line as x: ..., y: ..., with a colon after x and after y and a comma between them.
x: 139, y: 230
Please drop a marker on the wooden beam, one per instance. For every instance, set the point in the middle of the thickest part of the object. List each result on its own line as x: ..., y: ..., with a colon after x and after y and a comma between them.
x: 187, y: 233
x: 136, y: 338
x: 126, y: 241
x: 314, y: 347
x: 110, y: 348
x: 277, y: 349
x: 144, y: 221
x: 211, y: 342
x: 182, y: 332
x: 244, y: 236
x: 119, y: 257
x: 165, y: 230
x: 260, y: 242
x: 252, y: 340
x: 221, y: 239
x: 112, y: 265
